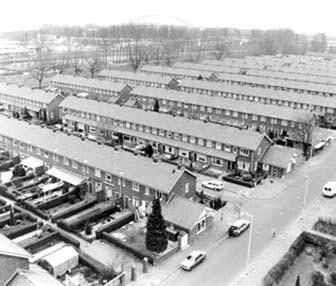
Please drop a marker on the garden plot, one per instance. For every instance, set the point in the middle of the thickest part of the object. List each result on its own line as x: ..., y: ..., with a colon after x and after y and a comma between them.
x: 134, y: 234
x: 313, y: 259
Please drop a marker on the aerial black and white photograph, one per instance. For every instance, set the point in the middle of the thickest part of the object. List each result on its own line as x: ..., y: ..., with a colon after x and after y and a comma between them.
x: 168, y: 143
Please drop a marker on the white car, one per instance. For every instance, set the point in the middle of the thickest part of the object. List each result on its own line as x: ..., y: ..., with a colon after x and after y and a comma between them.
x: 213, y: 185
x: 329, y: 189
x: 193, y: 259
x: 238, y: 227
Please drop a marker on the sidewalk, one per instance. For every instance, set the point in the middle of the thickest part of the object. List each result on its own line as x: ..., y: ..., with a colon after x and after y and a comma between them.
x: 158, y: 274
x: 269, y: 190
x: 274, y: 252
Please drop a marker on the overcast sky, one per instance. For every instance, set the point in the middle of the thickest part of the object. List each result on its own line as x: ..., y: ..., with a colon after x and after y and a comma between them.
x: 303, y: 16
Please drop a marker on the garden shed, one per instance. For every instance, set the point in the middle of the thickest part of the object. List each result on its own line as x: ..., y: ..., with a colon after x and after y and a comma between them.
x: 62, y: 260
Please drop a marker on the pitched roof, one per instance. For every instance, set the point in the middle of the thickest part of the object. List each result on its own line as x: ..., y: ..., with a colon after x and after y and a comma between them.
x: 277, y: 82
x: 224, y: 134
x: 175, y: 71
x: 88, y: 82
x: 32, y: 277
x: 280, y: 156
x: 209, y: 68
x: 160, y: 176
x: 280, y: 112
x: 260, y: 92
x: 182, y: 212
x: 115, y: 74
x: 259, y: 72
x: 27, y: 93
x: 9, y: 248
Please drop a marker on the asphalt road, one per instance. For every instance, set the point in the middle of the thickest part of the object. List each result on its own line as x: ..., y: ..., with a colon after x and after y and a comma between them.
x: 226, y: 259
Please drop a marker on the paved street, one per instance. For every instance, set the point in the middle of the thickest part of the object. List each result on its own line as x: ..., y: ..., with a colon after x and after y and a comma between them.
x: 227, y: 257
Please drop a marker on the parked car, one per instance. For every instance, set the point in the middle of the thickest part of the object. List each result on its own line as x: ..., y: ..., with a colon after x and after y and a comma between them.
x: 213, y: 185
x: 193, y: 259
x: 238, y: 227
x: 329, y: 189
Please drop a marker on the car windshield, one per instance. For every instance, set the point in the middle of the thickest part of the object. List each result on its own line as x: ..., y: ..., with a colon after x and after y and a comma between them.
x: 189, y: 257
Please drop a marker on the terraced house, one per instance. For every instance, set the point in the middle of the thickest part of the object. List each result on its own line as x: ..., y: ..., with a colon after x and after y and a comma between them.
x: 178, y: 73
x: 109, y: 173
x: 297, y: 77
x: 323, y: 107
x: 226, y: 148
x: 25, y: 102
x: 134, y: 79
x: 232, y: 112
x: 278, y: 84
x: 98, y: 89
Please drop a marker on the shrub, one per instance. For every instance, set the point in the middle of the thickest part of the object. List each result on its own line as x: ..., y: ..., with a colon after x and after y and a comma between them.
x: 317, y: 279
x: 332, y: 279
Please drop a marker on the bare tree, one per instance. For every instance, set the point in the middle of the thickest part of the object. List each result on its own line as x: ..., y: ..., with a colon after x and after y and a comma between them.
x: 43, y: 59
x: 221, y: 49
x: 76, y: 59
x: 305, y: 133
x: 95, y: 64
x: 120, y: 261
x: 137, y: 54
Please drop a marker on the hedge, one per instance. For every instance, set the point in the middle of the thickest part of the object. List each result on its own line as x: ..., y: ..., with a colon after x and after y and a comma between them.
x: 69, y: 239
x: 57, y: 201
x: 279, y: 270
x: 239, y: 182
x: 116, y: 224
x: 34, y: 210
x: 135, y: 251
x: 23, y: 229
x: 92, y: 216
x: 4, y: 192
x: 71, y: 210
x: 92, y: 263
x: 7, y: 220
x: 41, y: 241
x: 22, y: 179
x: 40, y: 180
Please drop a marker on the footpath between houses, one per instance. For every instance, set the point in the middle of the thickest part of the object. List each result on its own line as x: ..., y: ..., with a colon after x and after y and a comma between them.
x: 274, y: 252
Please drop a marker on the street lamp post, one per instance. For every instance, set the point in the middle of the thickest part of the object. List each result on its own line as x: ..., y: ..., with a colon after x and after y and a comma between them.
x: 306, y: 191
x: 249, y: 244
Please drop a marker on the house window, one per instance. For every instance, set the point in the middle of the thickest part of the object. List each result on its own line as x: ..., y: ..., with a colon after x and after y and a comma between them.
x: 201, y: 225
x: 147, y: 191
x: 123, y: 182
x: 186, y: 187
x: 135, y: 201
x: 108, y: 191
x: 217, y: 161
x: 265, y: 167
x: 244, y: 152
x: 74, y: 165
x: 97, y: 173
x: 135, y: 186
x: 66, y: 161
x: 108, y: 177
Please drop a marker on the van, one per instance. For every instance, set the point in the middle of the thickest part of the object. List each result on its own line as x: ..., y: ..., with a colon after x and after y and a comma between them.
x: 329, y: 189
